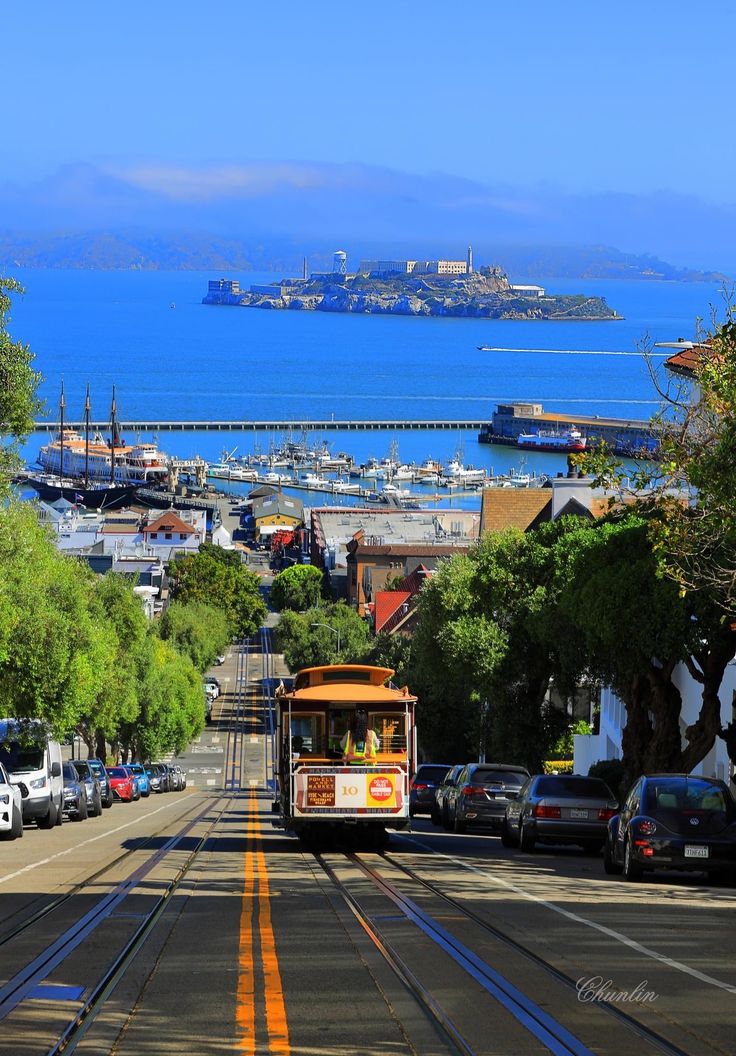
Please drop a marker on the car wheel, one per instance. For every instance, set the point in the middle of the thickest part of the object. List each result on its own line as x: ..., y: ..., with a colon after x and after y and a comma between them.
x: 632, y: 872
x: 83, y: 812
x: 50, y: 819
x: 436, y: 816
x: 107, y: 803
x: 460, y: 827
x: 16, y: 828
x: 527, y: 839
x: 610, y: 865
x: 507, y: 836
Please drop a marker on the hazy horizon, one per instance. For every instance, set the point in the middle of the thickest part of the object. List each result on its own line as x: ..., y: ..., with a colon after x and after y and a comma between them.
x: 580, y: 125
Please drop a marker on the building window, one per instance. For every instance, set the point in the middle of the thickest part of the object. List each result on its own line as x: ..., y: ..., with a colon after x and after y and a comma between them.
x: 169, y: 535
x: 154, y: 535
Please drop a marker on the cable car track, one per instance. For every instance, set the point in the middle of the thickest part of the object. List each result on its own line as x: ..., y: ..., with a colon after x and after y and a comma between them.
x: 545, y: 1028
x: 21, y: 986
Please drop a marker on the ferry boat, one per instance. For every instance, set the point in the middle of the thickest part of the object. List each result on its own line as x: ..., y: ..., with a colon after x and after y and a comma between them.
x: 553, y: 440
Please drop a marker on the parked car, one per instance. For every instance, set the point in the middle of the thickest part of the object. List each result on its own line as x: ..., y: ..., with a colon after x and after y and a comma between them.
x: 482, y: 794
x: 92, y: 786
x: 32, y: 758
x: 123, y: 783
x: 211, y: 685
x: 422, y: 787
x: 11, y: 808
x: 139, y: 771
x: 209, y: 701
x: 673, y: 821
x: 559, y: 808
x: 75, y: 794
x: 182, y: 777
x: 439, y: 807
x: 161, y: 772
x: 219, y: 660
x: 175, y: 777
x: 98, y: 769
x: 154, y: 778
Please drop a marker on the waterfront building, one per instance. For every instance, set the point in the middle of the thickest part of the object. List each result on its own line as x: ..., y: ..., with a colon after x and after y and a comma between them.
x: 229, y: 286
x: 370, y: 567
x: 527, y: 291
x: 275, y: 512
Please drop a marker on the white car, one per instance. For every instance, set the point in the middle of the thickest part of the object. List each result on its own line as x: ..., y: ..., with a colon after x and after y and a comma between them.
x: 220, y: 659
x: 11, y: 810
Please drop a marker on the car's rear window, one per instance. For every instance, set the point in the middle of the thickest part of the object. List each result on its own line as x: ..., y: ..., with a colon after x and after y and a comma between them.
x: 431, y: 773
x: 573, y: 787
x: 688, y: 795
x: 497, y: 777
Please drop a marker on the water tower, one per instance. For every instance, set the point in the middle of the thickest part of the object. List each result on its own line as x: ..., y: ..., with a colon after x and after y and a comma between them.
x: 340, y: 262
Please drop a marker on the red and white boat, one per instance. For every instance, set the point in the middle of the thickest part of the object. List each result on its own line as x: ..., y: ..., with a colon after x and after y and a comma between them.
x: 553, y: 440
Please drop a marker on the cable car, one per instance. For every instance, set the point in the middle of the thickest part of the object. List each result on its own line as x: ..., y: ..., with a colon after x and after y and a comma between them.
x: 321, y: 796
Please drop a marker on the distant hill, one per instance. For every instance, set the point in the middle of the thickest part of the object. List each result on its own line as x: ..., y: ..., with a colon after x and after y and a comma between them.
x: 184, y: 251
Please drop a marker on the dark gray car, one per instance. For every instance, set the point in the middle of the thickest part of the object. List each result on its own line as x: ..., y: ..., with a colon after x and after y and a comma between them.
x: 439, y: 807
x: 98, y: 769
x: 92, y: 786
x: 482, y: 794
x: 560, y: 808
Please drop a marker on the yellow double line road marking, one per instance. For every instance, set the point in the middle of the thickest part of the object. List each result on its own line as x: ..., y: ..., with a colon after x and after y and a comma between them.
x: 256, y: 895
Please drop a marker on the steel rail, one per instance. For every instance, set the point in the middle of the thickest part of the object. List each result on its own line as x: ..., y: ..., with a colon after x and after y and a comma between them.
x: 60, y: 900
x: 544, y: 1027
x: 640, y: 1029
x: 17, y: 989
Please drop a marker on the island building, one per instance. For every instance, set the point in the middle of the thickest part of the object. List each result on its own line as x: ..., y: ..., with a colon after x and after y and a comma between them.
x: 418, y: 267
x: 224, y: 286
x: 527, y: 291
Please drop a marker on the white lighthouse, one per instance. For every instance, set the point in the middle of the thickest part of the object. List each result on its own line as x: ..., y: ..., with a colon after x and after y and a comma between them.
x: 470, y: 261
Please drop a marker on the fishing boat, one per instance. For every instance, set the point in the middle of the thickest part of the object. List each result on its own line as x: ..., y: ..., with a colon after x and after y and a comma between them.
x: 91, y: 471
x: 553, y: 440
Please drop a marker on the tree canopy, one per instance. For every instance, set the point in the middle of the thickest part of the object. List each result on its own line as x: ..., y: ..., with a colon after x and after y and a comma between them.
x: 299, y: 587
x: 19, y: 403
x: 218, y: 577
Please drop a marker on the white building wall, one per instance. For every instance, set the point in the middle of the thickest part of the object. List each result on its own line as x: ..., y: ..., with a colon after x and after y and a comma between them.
x: 588, y: 749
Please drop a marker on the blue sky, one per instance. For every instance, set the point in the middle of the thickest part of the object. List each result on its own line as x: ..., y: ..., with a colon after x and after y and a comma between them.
x: 143, y: 109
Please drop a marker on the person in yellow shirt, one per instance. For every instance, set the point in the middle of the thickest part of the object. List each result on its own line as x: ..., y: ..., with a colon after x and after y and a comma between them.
x: 360, y: 744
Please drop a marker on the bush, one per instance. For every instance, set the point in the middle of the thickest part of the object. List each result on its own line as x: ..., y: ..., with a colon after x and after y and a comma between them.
x: 558, y: 766
x: 612, y: 772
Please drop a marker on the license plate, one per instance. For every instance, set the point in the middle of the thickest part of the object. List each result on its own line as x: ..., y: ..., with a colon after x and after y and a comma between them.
x: 575, y: 813
x: 696, y: 852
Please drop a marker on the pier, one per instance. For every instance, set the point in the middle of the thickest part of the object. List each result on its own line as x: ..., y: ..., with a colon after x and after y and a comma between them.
x: 272, y: 425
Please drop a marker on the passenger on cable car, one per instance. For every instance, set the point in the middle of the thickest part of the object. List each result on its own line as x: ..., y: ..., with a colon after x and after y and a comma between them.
x: 360, y: 744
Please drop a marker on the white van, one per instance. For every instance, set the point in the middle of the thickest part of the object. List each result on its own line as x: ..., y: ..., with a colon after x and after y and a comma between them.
x: 33, y: 761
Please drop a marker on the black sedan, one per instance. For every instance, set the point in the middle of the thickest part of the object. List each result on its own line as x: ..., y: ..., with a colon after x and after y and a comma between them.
x: 482, y: 793
x: 423, y: 785
x: 674, y: 821
x: 559, y: 808
x: 439, y: 807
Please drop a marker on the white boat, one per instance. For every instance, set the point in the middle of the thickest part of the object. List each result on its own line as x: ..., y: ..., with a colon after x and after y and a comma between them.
x: 276, y: 478
x: 230, y: 471
x: 553, y: 440
x: 404, y: 472
x: 314, y: 480
x: 344, y: 487
x: 455, y: 470
x: 391, y: 489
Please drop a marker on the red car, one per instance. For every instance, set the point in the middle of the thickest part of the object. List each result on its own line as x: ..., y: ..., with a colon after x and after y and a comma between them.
x: 123, y: 783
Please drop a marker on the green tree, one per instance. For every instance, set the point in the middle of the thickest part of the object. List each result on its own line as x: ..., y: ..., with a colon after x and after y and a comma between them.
x: 19, y: 404
x: 299, y: 587
x: 115, y: 606
x: 197, y: 630
x: 218, y: 577
x: 53, y: 652
x: 306, y: 645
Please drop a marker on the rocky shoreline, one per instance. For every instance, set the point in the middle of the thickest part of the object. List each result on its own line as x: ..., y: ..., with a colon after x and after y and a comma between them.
x: 486, y: 294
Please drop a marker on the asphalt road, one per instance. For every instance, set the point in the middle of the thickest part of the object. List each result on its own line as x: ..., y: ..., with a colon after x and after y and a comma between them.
x: 257, y: 951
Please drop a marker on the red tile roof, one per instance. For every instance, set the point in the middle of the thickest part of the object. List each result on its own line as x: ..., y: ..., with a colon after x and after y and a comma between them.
x: 170, y: 522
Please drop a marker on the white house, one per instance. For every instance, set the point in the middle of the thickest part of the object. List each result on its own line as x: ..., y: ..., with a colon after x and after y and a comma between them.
x: 607, y: 743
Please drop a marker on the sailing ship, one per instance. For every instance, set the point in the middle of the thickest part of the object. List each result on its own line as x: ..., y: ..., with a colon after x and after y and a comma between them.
x: 91, y: 471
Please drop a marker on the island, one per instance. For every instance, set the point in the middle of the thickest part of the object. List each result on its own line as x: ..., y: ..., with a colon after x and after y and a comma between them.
x: 427, y: 288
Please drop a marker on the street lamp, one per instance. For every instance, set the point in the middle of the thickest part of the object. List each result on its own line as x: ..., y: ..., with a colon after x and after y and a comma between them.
x: 334, y: 631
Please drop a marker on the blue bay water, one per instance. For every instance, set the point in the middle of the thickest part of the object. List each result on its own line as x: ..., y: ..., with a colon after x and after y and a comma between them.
x: 194, y: 362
